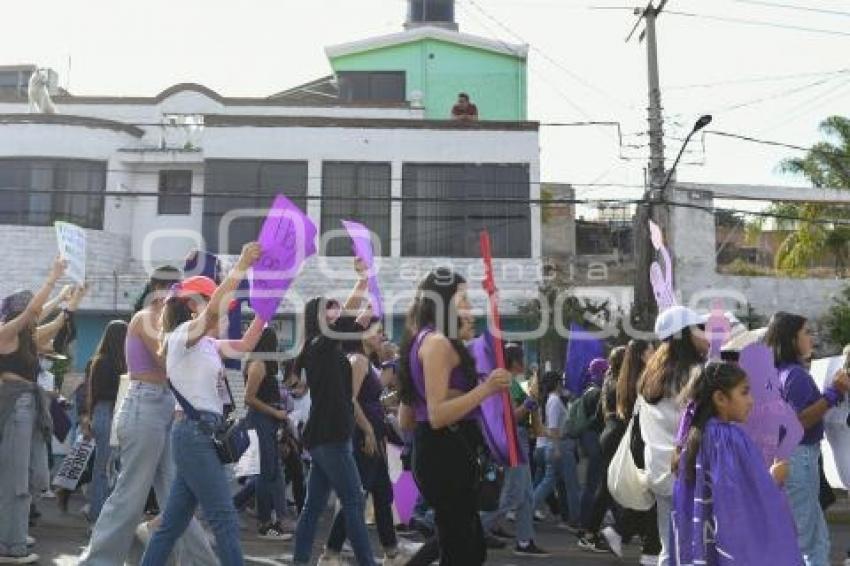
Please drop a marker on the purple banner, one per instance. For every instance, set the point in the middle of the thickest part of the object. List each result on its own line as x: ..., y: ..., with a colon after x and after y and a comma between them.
x: 582, y: 349
x: 773, y: 425
x: 288, y: 238
x: 362, y: 239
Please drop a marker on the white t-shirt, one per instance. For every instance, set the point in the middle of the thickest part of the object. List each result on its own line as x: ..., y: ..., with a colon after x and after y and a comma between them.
x: 556, y: 414
x: 195, y: 372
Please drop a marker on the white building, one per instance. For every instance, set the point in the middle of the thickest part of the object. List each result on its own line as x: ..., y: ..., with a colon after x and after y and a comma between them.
x: 151, y: 178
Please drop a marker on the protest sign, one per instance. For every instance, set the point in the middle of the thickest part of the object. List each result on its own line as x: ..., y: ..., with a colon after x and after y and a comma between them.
x: 72, y: 247
x: 362, y: 240
x: 74, y: 464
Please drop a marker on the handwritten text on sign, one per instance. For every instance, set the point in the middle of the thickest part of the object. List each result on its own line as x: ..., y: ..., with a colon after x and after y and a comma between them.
x: 74, y: 464
x: 288, y: 238
x: 72, y: 247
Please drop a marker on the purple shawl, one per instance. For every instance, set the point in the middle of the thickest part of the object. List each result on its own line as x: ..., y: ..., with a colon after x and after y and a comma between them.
x: 746, y: 520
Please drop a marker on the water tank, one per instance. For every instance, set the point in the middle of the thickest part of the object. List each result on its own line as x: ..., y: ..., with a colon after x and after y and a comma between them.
x: 440, y: 13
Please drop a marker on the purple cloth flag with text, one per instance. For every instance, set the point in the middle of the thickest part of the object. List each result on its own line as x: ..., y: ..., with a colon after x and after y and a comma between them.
x: 362, y: 239
x: 492, y: 413
x: 582, y: 349
x: 288, y: 238
x: 733, y: 512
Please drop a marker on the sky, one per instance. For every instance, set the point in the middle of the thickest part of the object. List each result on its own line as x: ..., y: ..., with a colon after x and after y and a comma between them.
x: 763, y: 79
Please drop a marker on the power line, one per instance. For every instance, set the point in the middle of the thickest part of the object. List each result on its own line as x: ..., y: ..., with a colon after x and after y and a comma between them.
x: 793, y: 7
x: 774, y: 96
x: 761, y: 23
x: 747, y: 80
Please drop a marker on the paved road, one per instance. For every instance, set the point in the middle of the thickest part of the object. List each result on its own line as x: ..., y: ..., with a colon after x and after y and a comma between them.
x: 61, y: 539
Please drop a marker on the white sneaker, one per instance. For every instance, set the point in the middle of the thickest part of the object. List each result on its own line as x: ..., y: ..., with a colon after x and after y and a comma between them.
x: 403, y: 554
x: 30, y: 541
x: 511, y: 516
x: 648, y: 560
x: 30, y: 558
x: 614, y: 540
x: 329, y: 559
x: 540, y: 515
x: 48, y: 494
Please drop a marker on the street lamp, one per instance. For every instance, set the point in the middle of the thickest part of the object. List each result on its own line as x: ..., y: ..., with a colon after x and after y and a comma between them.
x: 703, y: 121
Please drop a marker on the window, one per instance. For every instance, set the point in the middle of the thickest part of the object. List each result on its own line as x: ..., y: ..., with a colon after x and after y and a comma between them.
x: 37, y: 192
x: 175, y: 192
x: 371, y: 86
x: 234, y: 184
x: 353, y: 182
x: 441, y: 225
x: 431, y: 11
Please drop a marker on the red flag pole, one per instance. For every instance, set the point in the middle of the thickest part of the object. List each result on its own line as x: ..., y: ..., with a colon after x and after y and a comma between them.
x: 489, y: 284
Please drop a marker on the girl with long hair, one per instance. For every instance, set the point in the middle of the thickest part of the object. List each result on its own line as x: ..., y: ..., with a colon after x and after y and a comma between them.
x: 677, y: 361
x: 327, y: 433
x: 727, y: 506
x: 104, y: 374
x: 143, y: 429
x: 266, y: 416
x: 789, y: 337
x: 25, y: 424
x: 192, y: 321
x: 440, y: 390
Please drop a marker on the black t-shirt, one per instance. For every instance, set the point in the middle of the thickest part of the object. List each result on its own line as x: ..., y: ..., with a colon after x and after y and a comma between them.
x: 104, y: 381
x: 268, y: 392
x: 328, y: 372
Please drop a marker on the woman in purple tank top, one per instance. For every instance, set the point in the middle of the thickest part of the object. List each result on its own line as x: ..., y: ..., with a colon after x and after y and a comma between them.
x: 439, y: 383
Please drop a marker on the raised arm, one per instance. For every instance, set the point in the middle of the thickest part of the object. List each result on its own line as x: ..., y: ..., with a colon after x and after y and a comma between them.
x: 64, y: 295
x: 438, y: 360
x: 208, y: 317
x: 10, y: 329
x: 47, y: 332
x: 237, y: 347
x: 358, y: 293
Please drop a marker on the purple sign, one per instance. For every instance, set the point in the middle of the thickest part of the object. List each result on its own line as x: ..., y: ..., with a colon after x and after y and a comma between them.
x: 661, y: 278
x: 405, y: 494
x: 362, y: 239
x: 582, y: 349
x: 288, y: 238
x: 773, y: 425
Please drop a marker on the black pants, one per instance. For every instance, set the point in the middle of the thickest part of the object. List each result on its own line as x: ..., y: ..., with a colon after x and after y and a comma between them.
x: 629, y: 523
x: 445, y: 466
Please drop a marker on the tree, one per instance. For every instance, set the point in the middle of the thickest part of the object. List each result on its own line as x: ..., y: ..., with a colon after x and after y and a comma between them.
x: 826, y: 164
x: 837, y: 320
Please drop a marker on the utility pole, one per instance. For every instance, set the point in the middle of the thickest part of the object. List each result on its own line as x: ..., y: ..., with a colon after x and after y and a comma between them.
x: 653, y: 208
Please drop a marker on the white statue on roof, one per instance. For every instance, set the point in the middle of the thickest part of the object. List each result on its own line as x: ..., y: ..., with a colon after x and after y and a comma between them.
x: 38, y: 93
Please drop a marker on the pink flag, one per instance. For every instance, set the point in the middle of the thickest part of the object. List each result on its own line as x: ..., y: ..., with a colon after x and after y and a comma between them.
x: 288, y: 238
x: 362, y: 239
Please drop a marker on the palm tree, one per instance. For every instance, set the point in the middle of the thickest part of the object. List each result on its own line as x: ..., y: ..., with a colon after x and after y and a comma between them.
x: 825, y: 165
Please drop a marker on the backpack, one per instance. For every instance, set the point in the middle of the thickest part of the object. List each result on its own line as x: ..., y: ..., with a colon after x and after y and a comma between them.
x: 579, y: 419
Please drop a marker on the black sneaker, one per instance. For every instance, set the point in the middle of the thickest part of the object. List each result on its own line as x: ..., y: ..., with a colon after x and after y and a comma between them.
x: 494, y: 543
x: 531, y: 550
x: 593, y: 544
x: 273, y: 532
x: 500, y: 532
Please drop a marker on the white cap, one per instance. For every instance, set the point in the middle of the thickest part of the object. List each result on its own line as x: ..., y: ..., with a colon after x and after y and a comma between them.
x: 675, y: 319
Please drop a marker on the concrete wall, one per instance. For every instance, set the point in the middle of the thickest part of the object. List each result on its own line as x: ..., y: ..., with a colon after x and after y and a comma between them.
x: 695, y: 271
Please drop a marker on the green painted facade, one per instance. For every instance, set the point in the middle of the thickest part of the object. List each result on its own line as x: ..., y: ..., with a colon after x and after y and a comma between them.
x: 495, y: 82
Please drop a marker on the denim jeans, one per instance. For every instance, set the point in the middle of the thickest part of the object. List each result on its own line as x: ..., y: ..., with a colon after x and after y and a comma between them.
x: 16, y: 447
x: 101, y: 427
x: 664, y: 506
x: 566, y: 468
x: 518, y: 496
x: 803, y: 487
x: 200, y: 479
x: 270, y: 487
x: 144, y: 437
x: 333, y: 468
x: 592, y: 450
x: 375, y: 477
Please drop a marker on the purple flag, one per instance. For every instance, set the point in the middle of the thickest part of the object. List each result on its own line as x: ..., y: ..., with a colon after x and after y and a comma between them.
x: 405, y: 494
x: 288, y: 238
x: 362, y: 239
x: 492, y: 411
x: 582, y: 349
x: 773, y: 425
x: 733, y: 512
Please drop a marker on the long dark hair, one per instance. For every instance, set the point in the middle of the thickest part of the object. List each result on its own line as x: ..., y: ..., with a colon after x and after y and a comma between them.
x: 716, y: 376
x: 312, y: 328
x: 549, y: 383
x: 433, y: 306
x: 782, y: 337
x: 628, y: 376
x: 111, y: 347
x: 160, y: 280
x: 175, y: 312
x: 668, y: 371
x: 267, y: 344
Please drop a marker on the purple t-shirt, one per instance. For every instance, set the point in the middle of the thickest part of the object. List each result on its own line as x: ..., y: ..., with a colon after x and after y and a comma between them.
x: 800, y: 391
